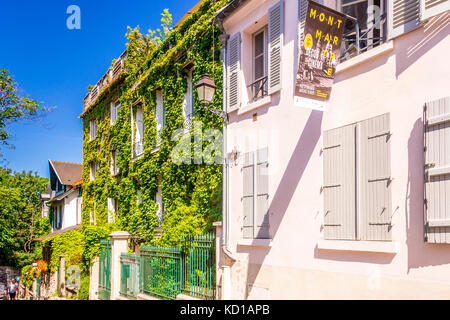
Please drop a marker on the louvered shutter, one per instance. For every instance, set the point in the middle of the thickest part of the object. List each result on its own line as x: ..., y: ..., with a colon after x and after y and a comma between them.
x: 339, y: 184
x: 430, y: 8
x: 262, y: 195
x: 437, y: 171
x: 403, y: 16
x: 375, y: 208
x: 276, y: 29
x: 302, y: 8
x: 234, y: 68
x: 248, y: 197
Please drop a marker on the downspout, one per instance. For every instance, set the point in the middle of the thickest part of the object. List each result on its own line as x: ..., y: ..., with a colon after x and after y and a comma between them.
x: 225, y: 172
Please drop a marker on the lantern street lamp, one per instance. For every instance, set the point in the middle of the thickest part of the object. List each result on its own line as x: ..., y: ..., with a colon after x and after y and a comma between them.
x: 206, y: 89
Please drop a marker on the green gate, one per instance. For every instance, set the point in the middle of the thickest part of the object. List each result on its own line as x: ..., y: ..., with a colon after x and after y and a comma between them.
x: 104, y: 278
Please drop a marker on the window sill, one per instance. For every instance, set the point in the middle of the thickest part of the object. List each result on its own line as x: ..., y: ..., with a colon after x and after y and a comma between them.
x: 155, y: 149
x: 255, y: 105
x: 364, y: 57
x: 264, y: 243
x: 359, y: 246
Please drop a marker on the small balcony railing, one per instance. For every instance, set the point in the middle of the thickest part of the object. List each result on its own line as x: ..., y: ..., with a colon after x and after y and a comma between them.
x: 114, y: 71
x: 259, y: 88
x: 357, y: 41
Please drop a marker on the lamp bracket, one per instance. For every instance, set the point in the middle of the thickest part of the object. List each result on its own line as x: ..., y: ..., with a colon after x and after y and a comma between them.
x: 220, y: 113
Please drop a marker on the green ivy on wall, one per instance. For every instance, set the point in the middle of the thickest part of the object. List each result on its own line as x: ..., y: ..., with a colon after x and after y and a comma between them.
x: 191, y: 192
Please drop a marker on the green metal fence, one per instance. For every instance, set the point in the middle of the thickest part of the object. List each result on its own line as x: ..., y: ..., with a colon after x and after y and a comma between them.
x: 129, y: 276
x: 104, y: 281
x: 199, y: 266
x: 161, y: 272
x: 38, y: 283
x: 189, y: 269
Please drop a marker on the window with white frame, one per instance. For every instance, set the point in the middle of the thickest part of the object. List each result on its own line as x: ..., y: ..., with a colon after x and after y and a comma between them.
x: 114, y: 114
x: 357, y: 181
x: 114, y: 167
x: 139, y: 132
x: 159, y: 115
x: 160, y: 204
x: 259, y: 85
x: 139, y: 197
x: 113, y: 205
x: 94, y: 168
x: 188, y: 103
x: 92, y: 129
x: 370, y: 29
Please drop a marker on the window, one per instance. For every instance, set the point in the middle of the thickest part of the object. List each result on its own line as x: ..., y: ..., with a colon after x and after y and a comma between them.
x: 139, y: 197
x: 160, y: 203
x: 159, y: 116
x: 139, y: 134
x: 357, y: 181
x: 256, y: 195
x: 114, y: 167
x: 369, y: 30
x: 113, y: 205
x: 93, y: 129
x: 188, y: 103
x: 94, y: 168
x: 114, y: 114
x: 259, y: 85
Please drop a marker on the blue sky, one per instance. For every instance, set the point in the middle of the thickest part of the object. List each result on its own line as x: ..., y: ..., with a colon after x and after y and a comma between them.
x: 55, y: 65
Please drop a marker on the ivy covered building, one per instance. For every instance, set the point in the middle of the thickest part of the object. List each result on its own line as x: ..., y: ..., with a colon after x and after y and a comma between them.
x: 134, y: 119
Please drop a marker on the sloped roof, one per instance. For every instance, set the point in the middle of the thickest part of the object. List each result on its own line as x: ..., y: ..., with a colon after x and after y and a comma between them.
x: 56, y: 233
x: 68, y: 172
x: 188, y: 14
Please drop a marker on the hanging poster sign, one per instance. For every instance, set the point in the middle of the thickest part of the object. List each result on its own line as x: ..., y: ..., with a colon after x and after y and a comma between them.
x: 319, y: 56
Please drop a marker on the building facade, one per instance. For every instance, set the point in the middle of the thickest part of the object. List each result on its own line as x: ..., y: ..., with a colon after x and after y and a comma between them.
x: 351, y: 202
x: 135, y: 119
x: 63, y: 201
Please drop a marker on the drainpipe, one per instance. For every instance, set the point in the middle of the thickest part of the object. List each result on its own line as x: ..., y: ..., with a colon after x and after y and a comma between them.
x: 225, y: 172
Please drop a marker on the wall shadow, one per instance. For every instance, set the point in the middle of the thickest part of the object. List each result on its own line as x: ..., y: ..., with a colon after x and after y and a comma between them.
x: 408, y: 50
x: 420, y: 253
x: 352, y: 256
x: 298, y: 162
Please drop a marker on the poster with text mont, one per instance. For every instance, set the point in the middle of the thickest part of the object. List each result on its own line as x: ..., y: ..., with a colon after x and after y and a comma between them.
x: 319, y: 56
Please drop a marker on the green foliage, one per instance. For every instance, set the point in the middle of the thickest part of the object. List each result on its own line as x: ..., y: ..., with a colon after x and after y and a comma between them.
x: 191, y: 192
x: 70, y: 244
x: 13, y: 107
x: 20, y: 220
x: 83, y: 294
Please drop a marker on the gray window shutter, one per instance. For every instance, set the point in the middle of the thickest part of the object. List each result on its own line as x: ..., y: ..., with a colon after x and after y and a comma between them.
x: 248, y: 198
x: 276, y: 29
x: 302, y: 8
x: 430, y: 8
x: 234, y: 68
x: 437, y: 171
x: 262, y: 195
x: 339, y: 183
x: 374, y: 183
x: 403, y: 16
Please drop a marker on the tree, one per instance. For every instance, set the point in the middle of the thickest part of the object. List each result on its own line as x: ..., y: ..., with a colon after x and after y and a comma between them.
x: 20, y: 220
x: 14, y: 107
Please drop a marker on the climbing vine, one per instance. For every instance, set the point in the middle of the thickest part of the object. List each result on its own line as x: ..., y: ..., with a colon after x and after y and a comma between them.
x: 191, y: 192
